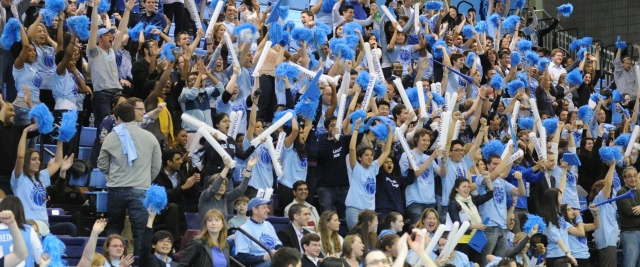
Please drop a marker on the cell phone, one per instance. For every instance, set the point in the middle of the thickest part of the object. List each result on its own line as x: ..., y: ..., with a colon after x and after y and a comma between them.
x: 257, y: 92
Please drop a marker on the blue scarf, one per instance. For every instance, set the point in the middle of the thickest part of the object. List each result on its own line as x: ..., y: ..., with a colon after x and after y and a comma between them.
x: 127, y: 143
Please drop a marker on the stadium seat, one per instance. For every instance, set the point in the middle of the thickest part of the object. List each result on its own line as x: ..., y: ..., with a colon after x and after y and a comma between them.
x: 98, y: 179
x: 278, y: 222
x: 87, y: 136
x: 193, y: 220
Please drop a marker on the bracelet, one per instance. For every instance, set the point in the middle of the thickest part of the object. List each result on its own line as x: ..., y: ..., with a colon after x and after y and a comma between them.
x: 247, y: 170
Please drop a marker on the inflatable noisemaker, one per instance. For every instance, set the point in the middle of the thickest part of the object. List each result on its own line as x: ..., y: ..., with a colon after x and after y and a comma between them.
x: 536, y: 145
x: 451, y: 102
x: 214, y: 143
x: 367, y: 53
x: 342, y: 101
x: 274, y: 158
x: 214, y: 18
x: 285, y: 118
x: 435, y: 88
x: 235, y: 127
x: 515, y: 156
x: 310, y: 73
x: 450, y: 239
x: 423, y: 104
x: 628, y: 194
x: 403, y: 95
x: 515, y: 112
x: 368, y: 93
x: 407, y: 150
x: 505, y: 152
x: 193, y: 10
x: 416, y: 18
x: 280, y: 143
x: 378, y: 69
x: 391, y: 17
x: 415, y: 259
x: 541, y: 131
x: 512, y: 132
x: 263, y: 57
x: 449, y: 246
x: 632, y: 140
x: 445, y: 122
x: 456, y: 130
x: 233, y: 119
x: 232, y: 49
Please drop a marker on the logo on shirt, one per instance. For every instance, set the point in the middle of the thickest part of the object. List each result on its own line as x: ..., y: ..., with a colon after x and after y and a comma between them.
x: 38, y: 195
x: 37, y: 79
x: 265, y: 158
x: 582, y: 240
x: 404, y: 55
x: 268, y: 241
x: 370, y: 186
x: 303, y: 162
x: 499, y: 195
x: 48, y: 60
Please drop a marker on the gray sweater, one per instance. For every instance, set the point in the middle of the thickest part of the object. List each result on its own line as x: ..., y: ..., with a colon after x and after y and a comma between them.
x: 208, y: 199
x: 113, y: 162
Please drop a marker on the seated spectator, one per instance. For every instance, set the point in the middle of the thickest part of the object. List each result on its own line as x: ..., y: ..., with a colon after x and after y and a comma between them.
x: 114, y: 251
x: 389, y: 245
x: 311, y: 246
x: 392, y: 224
x: 456, y: 258
x: 301, y: 192
x: 430, y: 220
x: 328, y: 229
x: 286, y: 257
x: 161, y: 242
x: 249, y: 253
x: 352, y: 250
x: 240, y: 205
x: 366, y: 228
x: 89, y: 257
x: 291, y: 235
x: 210, y: 248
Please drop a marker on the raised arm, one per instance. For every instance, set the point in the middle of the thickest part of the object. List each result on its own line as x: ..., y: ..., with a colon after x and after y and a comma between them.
x: 19, y: 62
x: 68, y: 53
x: 19, y: 253
x: 130, y: 4
x: 353, y: 143
x: 22, y: 147
x: 288, y: 141
x: 387, y: 147
x: 90, y: 247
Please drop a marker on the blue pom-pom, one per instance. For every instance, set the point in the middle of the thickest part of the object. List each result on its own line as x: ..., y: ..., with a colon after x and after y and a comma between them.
x: 514, y: 87
x: 524, y: 45
x: 43, y: 117
x: 434, y: 5
x: 345, y: 51
x: 481, y: 27
x: 351, y: 27
x: 363, y: 79
x: 430, y: 39
x: 586, y: 42
x: 595, y: 97
x: 585, y: 113
x: 525, y: 123
x: 580, y: 54
x: 134, y: 33
x: 148, y: 32
x: 412, y: 94
x: 48, y: 16
x: 622, y: 45
x: 565, y: 10
x: 437, y: 53
x: 510, y: 22
x: 283, y: 12
x: 286, y: 70
x: 334, y: 42
x: 531, y: 58
x: 379, y: 89
x: 167, y: 52
x: 313, y: 63
x: 467, y: 31
x: 276, y: 33
x: 623, y: 140
x: 493, y: 147
x: 11, y: 33
x: 289, y: 25
x: 616, y: 96
x: 520, y: 4
x: 358, y: 114
x: 279, y: 115
x: 321, y: 28
x: 352, y: 40
x: 543, y: 63
x: 55, y: 248
x: 327, y: 6
x: 156, y: 198
x: 302, y: 34
x: 575, y: 45
x: 470, y: 60
x: 522, y: 76
x: 516, y: 58
x: 55, y: 6
x: 307, y: 108
x: 533, y: 220
x: 68, y: 126
x: 246, y: 33
x: 550, y: 124
x: 496, y: 81
x: 104, y: 6
x: 438, y: 99
x: 80, y: 26
x: 610, y: 153
x: 574, y: 77
x: 380, y: 130
x: 286, y: 38
x: 495, y: 20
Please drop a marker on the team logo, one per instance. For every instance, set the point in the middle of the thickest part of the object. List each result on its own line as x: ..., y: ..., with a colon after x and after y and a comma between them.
x: 303, y: 163
x: 38, y: 195
x: 48, y: 60
x: 268, y: 241
x: 265, y: 158
x: 571, y: 178
x: 37, y: 79
x: 370, y: 186
x: 499, y: 195
x: 582, y: 240
x: 404, y: 55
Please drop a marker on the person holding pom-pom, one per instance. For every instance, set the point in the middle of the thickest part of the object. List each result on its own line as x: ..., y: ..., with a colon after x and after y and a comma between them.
x: 45, y: 51
x: 606, y: 236
x: 623, y: 74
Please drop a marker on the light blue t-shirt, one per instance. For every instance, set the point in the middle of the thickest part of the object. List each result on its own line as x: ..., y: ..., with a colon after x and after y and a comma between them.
x: 554, y: 234
x: 293, y: 167
x: 262, y: 172
x: 261, y: 231
x: 64, y: 91
x: 402, y: 54
x: 607, y: 234
x: 423, y: 189
x: 578, y: 246
x: 496, y: 208
x: 195, y: 102
x: 238, y: 104
x: 45, y: 64
x: 30, y: 77
x: 6, y: 244
x: 79, y: 97
x: 362, y: 186
x: 570, y: 194
x: 455, y: 170
x: 454, y: 82
x: 32, y: 194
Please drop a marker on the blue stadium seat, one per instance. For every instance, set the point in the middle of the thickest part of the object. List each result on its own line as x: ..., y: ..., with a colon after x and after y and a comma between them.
x: 47, y: 157
x: 193, y: 220
x: 87, y: 136
x: 278, y: 222
x: 84, y: 153
x: 98, y: 179
x: 100, y: 200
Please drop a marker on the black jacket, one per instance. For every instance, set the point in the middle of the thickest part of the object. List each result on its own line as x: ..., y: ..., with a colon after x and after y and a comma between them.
x: 174, y: 195
x: 147, y: 256
x: 289, y: 238
x: 198, y: 253
x: 306, y: 262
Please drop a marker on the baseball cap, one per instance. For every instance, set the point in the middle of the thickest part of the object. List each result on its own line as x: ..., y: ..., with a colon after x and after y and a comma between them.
x: 102, y: 31
x: 256, y: 201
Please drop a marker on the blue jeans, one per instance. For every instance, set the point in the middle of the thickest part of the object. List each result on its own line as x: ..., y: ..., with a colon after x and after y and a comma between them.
x: 6, y: 76
x: 414, y: 211
x: 266, y: 263
x: 101, y: 104
x: 333, y: 198
x: 496, y: 243
x: 121, y: 200
x: 352, y: 216
x: 630, y: 248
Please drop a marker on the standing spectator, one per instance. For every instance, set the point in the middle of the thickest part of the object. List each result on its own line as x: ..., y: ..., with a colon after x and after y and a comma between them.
x: 130, y: 156
x: 9, y: 138
x: 45, y: 48
x: 174, y: 11
x: 624, y: 77
x: 332, y: 188
x: 28, y: 79
x: 10, y: 9
x: 145, y: 68
x: 556, y: 68
x: 557, y: 228
x: 151, y: 16
x: 629, y: 219
x: 606, y: 236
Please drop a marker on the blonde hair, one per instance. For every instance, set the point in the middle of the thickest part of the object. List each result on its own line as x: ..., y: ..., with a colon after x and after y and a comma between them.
x: 98, y: 260
x: 425, y: 214
x: 221, y: 242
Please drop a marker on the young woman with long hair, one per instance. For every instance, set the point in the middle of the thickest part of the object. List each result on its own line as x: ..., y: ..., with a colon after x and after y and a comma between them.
x: 366, y: 228
x: 353, y: 250
x: 606, y: 237
x: 114, y: 251
x: 557, y: 228
x: 210, y: 248
x: 330, y: 240
x: 34, y: 246
x: 578, y: 230
x: 391, y: 224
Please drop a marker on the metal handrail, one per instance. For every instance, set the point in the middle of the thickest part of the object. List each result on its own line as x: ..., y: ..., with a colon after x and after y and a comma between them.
x: 252, y: 239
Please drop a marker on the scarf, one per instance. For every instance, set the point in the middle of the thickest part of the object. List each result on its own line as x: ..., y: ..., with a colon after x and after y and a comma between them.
x: 166, y: 124
x: 471, y: 210
x: 127, y: 143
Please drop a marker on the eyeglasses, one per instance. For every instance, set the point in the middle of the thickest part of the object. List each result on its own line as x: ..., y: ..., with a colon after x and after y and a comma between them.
x: 630, y: 175
x: 142, y: 109
x: 116, y: 246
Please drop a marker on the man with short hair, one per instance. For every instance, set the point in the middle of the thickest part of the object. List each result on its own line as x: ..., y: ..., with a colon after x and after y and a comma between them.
x: 307, y: 18
x: 300, y: 193
x: 556, y: 68
x: 248, y: 252
x: 624, y: 76
x: 286, y: 257
x: 230, y: 18
x: 291, y: 234
x: 347, y: 16
x: 311, y: 245
x: 145, y: 68
x: 332, y: 188
x: 629, y: 217
x: 130, y: 156
x: 151, y: 16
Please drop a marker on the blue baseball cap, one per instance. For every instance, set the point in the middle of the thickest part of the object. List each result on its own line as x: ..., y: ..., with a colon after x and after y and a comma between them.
x: 102, y: 31
x: 256, y: 201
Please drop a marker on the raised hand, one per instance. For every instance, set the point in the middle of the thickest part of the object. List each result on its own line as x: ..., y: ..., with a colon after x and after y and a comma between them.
x: 252, y: 162
x: 67, y: 162
x: 99, y: 226
x: 6, y: 217
x: 126, y: 261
